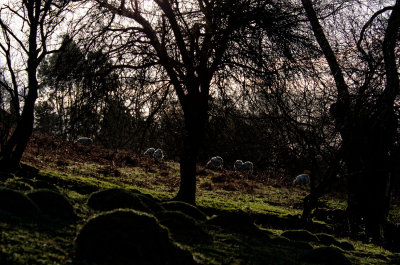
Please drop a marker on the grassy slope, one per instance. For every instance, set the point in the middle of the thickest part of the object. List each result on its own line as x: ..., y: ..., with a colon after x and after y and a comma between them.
x: 272, y: 207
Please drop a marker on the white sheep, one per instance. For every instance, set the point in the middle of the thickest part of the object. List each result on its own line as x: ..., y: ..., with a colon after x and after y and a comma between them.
x: 246, y: 166
x: 150, y: 151
x: 302, y: 179
x: 84, y: 140
x: 158, y: 154
x: 216, y: 162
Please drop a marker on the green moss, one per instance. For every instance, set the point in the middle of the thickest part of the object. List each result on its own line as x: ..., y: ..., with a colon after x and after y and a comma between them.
x: 230, y: 238
x: 127, y: 237
x: 18, y: 204
x: 300, y: 235
x: 186, y: 208
x: 111, y: 199
x: 327, y: 255
x: 53, y: 204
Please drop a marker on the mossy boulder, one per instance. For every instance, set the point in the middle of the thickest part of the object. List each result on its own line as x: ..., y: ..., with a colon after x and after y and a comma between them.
x: 127, y: 237
x: 15, y: 184
x: 301, y: 245
x: 326, y: 256
x: 235, y: 221
x: 186, y: 208
x: 40, y: 184
x: 182, y: 226
x: 327, y: 239
x: 176, y: 220
x: 300, y: 235
x: 53, y: 204
x: 18, y: 204
x: 111, y: 199
x: 279, y: 240
x: 345, y: 245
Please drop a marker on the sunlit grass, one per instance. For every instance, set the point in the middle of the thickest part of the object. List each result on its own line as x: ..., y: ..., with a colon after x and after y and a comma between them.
x: 32, y: 244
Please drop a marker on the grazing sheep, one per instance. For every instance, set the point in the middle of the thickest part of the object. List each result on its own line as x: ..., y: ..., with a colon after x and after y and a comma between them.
x: 84, y: 140
x: 246, y: 166
x: 158, y: 154
x: 302, y: 179
x: 150, y: 151
x: 216, y: 162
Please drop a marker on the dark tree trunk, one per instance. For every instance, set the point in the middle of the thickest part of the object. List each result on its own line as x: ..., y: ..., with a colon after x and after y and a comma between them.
x: 367, y: 156
x: 14, y: 148
x: 195, y: 109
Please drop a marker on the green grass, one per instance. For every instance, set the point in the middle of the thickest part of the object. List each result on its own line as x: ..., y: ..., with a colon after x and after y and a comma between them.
x: 276, y: 208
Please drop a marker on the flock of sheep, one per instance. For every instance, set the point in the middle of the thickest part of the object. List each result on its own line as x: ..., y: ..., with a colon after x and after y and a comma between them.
x: 215, y: 162
x: 157, y: 154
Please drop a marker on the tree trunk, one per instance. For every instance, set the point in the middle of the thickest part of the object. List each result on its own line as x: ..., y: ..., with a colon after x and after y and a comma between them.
x: 195, y: 109
x: 367, y: 150
x: 11, y: 155
x: 14, y: 148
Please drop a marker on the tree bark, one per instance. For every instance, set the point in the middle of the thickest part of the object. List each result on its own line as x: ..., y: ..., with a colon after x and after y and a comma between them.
x: 195, y: 108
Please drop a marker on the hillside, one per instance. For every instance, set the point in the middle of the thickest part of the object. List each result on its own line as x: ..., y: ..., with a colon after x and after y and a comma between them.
x: 239, y: 219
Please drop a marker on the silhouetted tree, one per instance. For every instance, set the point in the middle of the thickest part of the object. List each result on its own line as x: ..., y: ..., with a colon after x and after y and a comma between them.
x: 79, y: 84
x: 28, y: 42
x: 187, y: 43
x: 365, y: 115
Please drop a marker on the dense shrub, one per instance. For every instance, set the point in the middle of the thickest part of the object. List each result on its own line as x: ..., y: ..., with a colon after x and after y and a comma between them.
x: 18, y: 204
x: 186, y: 208
x: 111, y: 199
x: 128, y: 237
x: 53, y: 204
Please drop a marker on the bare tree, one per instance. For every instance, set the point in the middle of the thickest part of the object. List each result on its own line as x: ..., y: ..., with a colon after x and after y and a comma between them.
x: 364, y: 115
x: 187, y: 43
x: 27, y: 27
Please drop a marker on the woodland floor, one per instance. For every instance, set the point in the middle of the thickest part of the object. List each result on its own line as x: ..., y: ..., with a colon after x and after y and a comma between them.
x: 267, y: 199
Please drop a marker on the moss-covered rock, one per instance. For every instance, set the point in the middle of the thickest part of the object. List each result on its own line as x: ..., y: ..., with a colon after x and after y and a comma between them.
x: 128, y: 237
x: 176, y: 220
x: 327, y: 239
x: 186, y: 208
x: 300, y: 235
x: 17, y: 185
x: 279, y: 240
x: 18, y: 204
x: 326, y: 256
x: 40, y: 184
x: 345, y: 245
x: 111, y: 199
x: 53, y: 204
x: 236, y: 221
x: 301, y: 245
x: 182, y: 226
